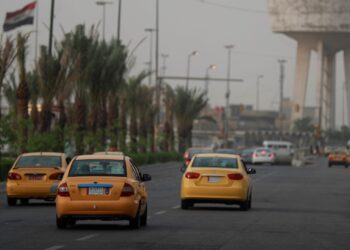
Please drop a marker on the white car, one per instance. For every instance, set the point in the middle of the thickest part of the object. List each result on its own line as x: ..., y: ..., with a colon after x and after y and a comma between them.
x: 263, y: 155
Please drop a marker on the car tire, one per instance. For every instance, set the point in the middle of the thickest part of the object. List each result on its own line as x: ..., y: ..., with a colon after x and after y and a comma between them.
x: 144, y: 218
x: 61, y: 223
x: 11, y: 201
x: 24, y: 201
x: 246, y: 205
x: 135, y: 223
x: 186, y: 204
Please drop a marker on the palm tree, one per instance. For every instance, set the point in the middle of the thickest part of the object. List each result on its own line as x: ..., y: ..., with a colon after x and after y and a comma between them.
x: 34, y: 95
x: 10, y: 90
x: 169, y: 103
x: 22, y: 93
x: 7, y: 56
x: 189, y: 104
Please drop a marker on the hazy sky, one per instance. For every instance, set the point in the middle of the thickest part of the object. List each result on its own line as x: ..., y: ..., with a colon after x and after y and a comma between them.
x: 187, y: 25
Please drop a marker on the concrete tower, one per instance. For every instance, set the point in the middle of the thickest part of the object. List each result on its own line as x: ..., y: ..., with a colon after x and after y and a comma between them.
x: 322, y: 26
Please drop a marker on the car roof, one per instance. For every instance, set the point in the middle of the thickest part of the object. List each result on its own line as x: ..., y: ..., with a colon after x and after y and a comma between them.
x: 109, y: 153
x: 217, y: 155
x: 101, y: 157
x: 43, y: 154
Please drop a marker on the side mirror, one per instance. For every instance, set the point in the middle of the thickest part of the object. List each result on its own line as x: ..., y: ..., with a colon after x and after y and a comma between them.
x: 251, y: 171
x: 183, y: 168
x: 146, y: 177
x: 68, y: 160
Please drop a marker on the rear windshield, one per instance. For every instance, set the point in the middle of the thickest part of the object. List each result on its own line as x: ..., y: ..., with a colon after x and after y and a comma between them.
x: 97, y: 168
x: 39, y: 161
x: 215, y: 162
x: 263, y: 151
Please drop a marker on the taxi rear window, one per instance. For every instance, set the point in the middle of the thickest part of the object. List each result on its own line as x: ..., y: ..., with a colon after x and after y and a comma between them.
x: 215, y: 162
x: 38, y: 161
x: 97, y: 168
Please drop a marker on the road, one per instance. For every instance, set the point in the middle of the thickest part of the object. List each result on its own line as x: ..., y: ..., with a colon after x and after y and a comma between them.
x: 293, y: 208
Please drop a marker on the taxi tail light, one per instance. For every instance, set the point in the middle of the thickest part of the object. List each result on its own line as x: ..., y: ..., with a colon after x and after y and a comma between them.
x: 192, y: 175
x: 14, y: 176
x: 235, y: 176
x: 344, y: 158
x: 127, y: 190
x: 56, y: 176
x: 63, y: 190
x: 187, y: 161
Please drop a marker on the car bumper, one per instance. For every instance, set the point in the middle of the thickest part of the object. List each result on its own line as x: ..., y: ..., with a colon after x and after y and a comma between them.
x: 83, y: 209
x: 263, y: 160
x: 214, y: 193
x: 31, y: 190
x: 338, y: 163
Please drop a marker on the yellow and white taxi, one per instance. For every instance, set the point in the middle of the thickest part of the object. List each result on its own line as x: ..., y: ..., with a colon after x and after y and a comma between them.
x: 35, y: 176
x: 102, y: 187
x: 216, y: 178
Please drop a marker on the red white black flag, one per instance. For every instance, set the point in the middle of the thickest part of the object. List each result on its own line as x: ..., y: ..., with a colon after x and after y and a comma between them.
x: 20, y: 17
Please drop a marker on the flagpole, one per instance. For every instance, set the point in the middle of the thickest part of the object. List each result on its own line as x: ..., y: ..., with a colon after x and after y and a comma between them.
x: 51, y: 25
x: 36, y: 30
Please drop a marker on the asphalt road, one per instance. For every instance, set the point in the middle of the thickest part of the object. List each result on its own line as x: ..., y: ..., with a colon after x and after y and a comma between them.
x: 293, y: 208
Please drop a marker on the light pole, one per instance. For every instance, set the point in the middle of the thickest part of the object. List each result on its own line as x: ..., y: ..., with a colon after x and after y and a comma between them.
x: 103, y: 4
x: 150, y: 30
x: 281, y: 62
x: 119, y: 19
x: 193, y: 53
x: 258, y: 91
x: 51, y: 25
x: 164, y: 57
x: 210, y: 67
x: 229, y: 48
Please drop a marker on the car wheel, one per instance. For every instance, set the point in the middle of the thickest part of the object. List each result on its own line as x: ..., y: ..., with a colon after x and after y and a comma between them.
x: 24, y: 201
x: 61, y: 223
x: 11, y: 201
x: 246, y: 205
x: 144, y: 218
x: 135, y: 223
x: 186, y: 204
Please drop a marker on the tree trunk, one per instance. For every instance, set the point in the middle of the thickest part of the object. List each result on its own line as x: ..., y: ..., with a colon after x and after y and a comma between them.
x: 80, y: 124
x: 133, y: 131
x: 113, y: 113
x: 123, y: 127
x: 46, y: 117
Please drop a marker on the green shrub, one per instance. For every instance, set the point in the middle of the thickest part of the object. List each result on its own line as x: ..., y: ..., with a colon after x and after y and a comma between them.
x: 5, y: 166
x: 150, y: 158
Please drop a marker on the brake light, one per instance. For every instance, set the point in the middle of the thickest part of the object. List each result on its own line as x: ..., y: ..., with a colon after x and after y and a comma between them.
x: 186, y: 155
x: 345, y: 158
x: 263, y: 152
x: 235, y: 176
x: 192, y: 175
x: 187, y: 161
x: 255, y: 155
x: 14, y: 176
x: 55, y: 176
x: 63, y: 190
x: 272, y: 155
x: 127, y: 190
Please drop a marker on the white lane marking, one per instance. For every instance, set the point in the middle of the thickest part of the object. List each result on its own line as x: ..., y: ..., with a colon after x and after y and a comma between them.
x: 87, y: 237
x: 160, y: 212
x: 54, y: 247
x: 176, y: 207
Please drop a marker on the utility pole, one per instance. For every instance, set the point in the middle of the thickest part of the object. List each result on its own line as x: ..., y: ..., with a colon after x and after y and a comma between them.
x: 150, y: 30
x: 157, y: 68
x: 119, y: 19
x: 281, y: 62
x: 227, y: 95
x: 164, y: 57
x: 51, y: 25
x: 258, y: 92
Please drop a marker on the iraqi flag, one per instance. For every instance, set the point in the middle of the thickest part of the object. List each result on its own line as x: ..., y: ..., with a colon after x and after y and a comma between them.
x: 19, y: 17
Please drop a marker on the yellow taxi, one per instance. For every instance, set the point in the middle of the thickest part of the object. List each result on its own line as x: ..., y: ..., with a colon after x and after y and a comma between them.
x: 35, y: 176
x: 102, y: 187
x: 339, y: 157
x: 216, y: 178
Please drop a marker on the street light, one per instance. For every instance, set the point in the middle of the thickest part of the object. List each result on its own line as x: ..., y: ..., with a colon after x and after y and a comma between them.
x: 150, y: 30
x: 193, y: 53
x: 229, y: 48
x: 103, y: 4
x: 211, y: 67
x: 258, y: 91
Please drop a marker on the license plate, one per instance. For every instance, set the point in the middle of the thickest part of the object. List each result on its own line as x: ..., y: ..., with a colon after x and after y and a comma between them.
x: 35, y: 177
x: 96, y: 191
x: 213, y: 179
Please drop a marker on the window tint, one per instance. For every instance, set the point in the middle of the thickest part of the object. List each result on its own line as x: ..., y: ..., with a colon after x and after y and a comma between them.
x: 39, y: 161
x: 135, y: 170
x: 215, y: 162
x: 263, y: 150
x: 97, y: 168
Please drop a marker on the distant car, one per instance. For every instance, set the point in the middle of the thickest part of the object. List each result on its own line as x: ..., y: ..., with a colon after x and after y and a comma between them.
x: 339, y: 157
x: 35, y: 176
x: 227, y: 151
x: 283, y: 151
x: 216, y: 178
x: 189, y: 153
x: 102, y: 187
x: 247, y: 155
x: 263, y: 155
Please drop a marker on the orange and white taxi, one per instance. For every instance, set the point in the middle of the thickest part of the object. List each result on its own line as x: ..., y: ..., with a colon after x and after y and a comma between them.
x: 339, y: 157
x: 216, y: 178
x: 102, y: 187
x: 35, y: 176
